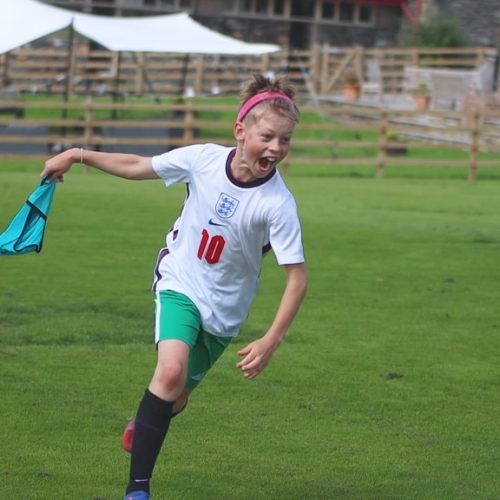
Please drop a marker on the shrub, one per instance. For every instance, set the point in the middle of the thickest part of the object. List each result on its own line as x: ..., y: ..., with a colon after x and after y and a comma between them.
x: 437, y: 33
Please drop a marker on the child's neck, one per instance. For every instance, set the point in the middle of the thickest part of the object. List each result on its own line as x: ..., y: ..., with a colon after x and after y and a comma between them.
x: 240, y: 170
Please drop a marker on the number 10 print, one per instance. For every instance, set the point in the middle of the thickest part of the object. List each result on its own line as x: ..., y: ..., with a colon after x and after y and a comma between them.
x: 210, y: 247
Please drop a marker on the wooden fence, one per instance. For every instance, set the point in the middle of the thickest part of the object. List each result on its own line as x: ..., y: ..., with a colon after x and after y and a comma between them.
x: 340, y: 135
x: 321, y: 70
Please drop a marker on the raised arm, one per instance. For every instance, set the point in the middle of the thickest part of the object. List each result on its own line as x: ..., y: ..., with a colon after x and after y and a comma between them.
x: 258, y: 353
x: 128, y: 166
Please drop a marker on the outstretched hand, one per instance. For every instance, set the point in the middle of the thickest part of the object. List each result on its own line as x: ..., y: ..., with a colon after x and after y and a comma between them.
x: 257, y: 355
x: 57, y: 166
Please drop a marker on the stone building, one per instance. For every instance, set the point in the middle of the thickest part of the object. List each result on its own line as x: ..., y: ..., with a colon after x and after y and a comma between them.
x: 296, y: 24
x: 478, y: 19
x: 299, y: 24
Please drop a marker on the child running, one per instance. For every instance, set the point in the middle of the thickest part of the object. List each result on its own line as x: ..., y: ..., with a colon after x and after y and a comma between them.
x: 237, y: 208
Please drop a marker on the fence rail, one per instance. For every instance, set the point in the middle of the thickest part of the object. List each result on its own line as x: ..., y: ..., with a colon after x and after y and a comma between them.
x: 79, y: 70
x: 356, y: 136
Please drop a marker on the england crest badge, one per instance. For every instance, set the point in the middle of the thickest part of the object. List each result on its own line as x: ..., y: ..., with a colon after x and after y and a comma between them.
x: 226, y: 206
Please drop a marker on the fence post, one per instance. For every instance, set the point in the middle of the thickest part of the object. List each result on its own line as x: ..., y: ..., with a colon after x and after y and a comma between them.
x: 5, y: 69
x: 88, y: 126
x: 323, y: 77
x: 264, y: 63
x: 139, y: 87
x: 199, y: 72
x: 474, y: 145
x: 315, y: 68
x: 414, y: 56
x: 382, y: 144
x: 359, y: 61
x: 188, y: 122
x: 71, y: 64
x: 480, y: 57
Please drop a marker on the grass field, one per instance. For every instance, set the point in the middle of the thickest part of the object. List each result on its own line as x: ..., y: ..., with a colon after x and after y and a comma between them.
x: 387, y: 386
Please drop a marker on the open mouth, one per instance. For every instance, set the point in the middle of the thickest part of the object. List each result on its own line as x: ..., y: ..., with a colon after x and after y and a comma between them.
x: 267, y: 162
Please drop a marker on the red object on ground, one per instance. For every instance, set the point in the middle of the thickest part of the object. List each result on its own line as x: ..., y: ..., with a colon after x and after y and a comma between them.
x: 128, y: 436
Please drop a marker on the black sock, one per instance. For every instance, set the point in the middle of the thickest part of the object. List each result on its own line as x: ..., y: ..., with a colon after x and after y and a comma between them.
x: 151, y: 426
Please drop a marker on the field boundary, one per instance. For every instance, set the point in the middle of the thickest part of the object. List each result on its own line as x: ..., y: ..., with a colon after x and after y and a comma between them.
x: 336, y: 135
x: 79, y: 69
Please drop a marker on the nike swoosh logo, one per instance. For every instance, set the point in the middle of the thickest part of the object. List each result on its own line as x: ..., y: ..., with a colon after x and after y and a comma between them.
x: 213, y: 223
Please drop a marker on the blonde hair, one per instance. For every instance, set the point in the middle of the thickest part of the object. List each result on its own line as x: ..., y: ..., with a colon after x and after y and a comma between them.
x: 284, y: 106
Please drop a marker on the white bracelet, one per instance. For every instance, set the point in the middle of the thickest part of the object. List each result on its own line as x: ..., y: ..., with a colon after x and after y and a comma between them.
x: 81, y: 156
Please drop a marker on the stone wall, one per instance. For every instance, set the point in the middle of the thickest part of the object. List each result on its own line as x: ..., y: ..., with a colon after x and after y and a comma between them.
x: 479, y: 20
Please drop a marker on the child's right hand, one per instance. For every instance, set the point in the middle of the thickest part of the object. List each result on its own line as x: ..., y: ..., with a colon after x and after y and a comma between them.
x: 57, y: 166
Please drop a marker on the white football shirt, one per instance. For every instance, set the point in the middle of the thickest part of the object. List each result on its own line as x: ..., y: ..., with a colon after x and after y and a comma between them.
x: 215, y: 249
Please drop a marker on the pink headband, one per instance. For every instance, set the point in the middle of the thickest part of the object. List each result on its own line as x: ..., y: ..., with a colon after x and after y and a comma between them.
x: 257, y: 99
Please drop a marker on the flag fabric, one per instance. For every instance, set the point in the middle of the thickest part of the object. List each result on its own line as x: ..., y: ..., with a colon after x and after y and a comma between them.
x: 26, y: 231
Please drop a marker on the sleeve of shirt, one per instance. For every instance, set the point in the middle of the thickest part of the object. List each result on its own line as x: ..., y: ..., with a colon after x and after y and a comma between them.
x: 286, y: 234
x: 175, y: 166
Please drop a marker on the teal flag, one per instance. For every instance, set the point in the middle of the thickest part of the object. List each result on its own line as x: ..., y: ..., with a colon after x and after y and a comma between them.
x: 26, y: 231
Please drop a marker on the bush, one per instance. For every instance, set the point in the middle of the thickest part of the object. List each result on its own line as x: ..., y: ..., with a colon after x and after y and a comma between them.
x: 440, y: 33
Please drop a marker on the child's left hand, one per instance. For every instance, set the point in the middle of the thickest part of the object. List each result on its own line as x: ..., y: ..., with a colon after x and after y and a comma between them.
x: 257, y: 356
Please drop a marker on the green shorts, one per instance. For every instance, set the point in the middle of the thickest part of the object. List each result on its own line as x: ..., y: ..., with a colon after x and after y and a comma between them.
x: 177, y: 318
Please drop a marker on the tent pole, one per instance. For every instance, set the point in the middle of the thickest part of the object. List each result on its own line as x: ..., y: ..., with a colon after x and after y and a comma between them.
x: 116, y: 84
x: 69, y: 72
x: 185, y: 67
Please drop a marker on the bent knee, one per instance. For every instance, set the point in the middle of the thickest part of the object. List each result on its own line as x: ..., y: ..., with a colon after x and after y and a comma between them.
x: 171, y: 376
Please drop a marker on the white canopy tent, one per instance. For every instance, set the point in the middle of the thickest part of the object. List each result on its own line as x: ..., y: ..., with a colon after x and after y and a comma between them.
x: 23, y: 21
x: 177, y: 33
